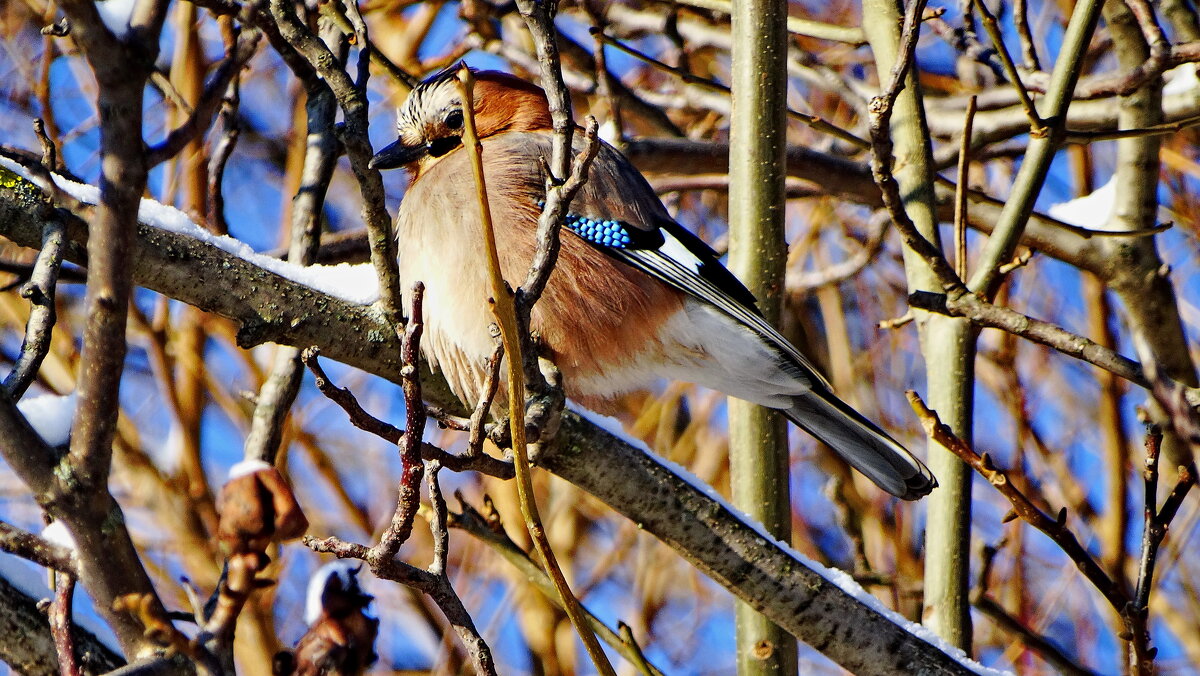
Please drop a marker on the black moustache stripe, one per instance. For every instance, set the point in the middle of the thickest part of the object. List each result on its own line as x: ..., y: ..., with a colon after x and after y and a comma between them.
x: 441, y: 146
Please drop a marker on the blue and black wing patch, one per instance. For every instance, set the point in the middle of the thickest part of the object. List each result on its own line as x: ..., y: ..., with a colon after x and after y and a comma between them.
x: 673, y: 242
x: 602, y: 232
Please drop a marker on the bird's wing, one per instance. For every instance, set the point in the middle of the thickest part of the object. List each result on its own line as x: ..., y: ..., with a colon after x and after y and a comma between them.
x: 618, y: 212
x: 699, y: 274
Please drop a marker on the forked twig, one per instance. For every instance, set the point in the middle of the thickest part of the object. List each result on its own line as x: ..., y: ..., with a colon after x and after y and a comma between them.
x: 1132, y: 608
x: 382, y: 556
x: 412, y: 469
x: 360, y: 418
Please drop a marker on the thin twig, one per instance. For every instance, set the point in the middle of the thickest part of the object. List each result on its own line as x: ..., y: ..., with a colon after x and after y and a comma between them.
x: 49, y: 149
x: 965, y: 40
x: 336, y: 12
x: 1019, y: 261
x: 1185, y: 422
x: 813, y: 121
x: 605, y: 81
x: 896, y: 322
x: 982, y: 313
x: 881, y: 108
x: 1054, y: 527
x: 1163, y: 129
x: 1036, y: 124
x: 41, y: 89
x: 960, y: 192
x: 438, y: 520
x: 60, y: 624
x: 409, y: 494
x: 200, y: 118
x: 1021, y: 20
x: 1137, y: 613
x: 365, y: 48
x: 636, y: 655
x: 503, y: 307
x: 1156, y: 39
x: 484, y: 464
x: 40, y: 290
x: 984, y: 603
x: 222, y: 151
x: 484, y: 407
x: 558, y: 198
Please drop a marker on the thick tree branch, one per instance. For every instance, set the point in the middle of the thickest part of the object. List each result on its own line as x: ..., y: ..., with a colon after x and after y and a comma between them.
x: 75, y: 489
x: 35, y: 548
x: 28, y: 646
x: 688, y: 518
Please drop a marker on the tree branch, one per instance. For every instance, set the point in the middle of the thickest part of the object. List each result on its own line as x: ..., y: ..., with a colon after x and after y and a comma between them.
x: 673, y: 508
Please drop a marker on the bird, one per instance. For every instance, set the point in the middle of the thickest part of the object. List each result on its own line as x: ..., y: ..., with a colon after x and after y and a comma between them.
x: 634, y: 296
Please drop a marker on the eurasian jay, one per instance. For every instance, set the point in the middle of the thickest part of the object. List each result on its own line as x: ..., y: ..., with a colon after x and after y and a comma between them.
x: 634, y: 297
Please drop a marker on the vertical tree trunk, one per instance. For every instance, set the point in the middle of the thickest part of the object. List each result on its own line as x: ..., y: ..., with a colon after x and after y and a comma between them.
x: 947, y: 345
x: 1148, y: 296
x: 758, y: 450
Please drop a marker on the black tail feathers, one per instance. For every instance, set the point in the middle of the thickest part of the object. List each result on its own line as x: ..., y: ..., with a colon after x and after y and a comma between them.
x: 861, y: 443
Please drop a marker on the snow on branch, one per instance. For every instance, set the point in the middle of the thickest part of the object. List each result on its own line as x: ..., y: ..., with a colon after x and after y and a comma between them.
x: 276, y: 301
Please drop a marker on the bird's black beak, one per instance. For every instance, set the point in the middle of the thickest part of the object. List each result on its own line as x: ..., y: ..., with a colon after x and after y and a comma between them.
x: 398, y: 155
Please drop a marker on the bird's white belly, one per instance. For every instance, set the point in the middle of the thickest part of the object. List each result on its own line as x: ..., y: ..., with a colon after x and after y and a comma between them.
x: 455, y: 309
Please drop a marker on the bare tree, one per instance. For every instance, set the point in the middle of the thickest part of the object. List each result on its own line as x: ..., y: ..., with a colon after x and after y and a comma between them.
x: 913, y: 174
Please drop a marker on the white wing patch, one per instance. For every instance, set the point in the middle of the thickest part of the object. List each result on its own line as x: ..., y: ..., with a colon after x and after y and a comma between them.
x: 686, y: 278
x: 675, y: 250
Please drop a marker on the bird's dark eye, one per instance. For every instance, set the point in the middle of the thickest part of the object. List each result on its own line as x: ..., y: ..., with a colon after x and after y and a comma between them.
x: 454, y: 119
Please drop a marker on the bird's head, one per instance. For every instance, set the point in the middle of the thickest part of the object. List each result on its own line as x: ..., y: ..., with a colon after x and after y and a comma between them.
x: 429, y: 125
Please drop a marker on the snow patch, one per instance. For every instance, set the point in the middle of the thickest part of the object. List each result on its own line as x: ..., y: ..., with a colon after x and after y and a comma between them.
x: 245, y: 467
x: 59, y: 535
x: 1181, y: 80
x: 316, y: 586
x: 354, y: 283
x: 1092, y: 211
x: 50, y: 415
x: 116, y: 15
x: 168, y: 453
x: 608, y: 132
